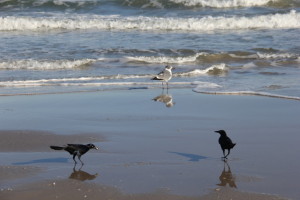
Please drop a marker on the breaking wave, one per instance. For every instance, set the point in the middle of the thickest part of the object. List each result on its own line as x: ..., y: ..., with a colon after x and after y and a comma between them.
x: 142, y: 23
x: 31, y: 64
x: 57, y: 4
x: 212, y: 70
x: 165, y: 59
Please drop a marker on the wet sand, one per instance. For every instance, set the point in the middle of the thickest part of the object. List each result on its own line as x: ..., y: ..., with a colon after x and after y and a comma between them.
x: 149, y: 150
x: 26, y: 141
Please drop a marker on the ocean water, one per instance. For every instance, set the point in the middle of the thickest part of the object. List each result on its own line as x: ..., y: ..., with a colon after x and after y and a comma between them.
x: 216, y: 46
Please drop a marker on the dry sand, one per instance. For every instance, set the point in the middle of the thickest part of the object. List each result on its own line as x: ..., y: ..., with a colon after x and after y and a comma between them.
x: 149, y: 151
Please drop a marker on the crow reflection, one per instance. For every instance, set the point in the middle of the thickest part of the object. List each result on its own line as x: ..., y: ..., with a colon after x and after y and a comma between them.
x: 81, y: 175
x: 226, y: 177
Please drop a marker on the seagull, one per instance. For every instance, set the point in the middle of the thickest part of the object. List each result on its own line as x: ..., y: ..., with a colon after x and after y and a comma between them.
x: 164, y: 75
x: 76, y: 150
x: 225, y: 142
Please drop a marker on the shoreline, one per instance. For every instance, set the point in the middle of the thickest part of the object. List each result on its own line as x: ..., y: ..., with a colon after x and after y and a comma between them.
x: 156, y: 86
x: 149, y: 150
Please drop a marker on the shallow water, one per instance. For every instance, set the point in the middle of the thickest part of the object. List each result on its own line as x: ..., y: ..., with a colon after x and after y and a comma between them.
x: 150, y: 147
x: 219, y: 46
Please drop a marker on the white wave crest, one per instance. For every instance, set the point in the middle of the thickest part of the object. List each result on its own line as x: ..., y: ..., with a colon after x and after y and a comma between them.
x: 165, y: 59
x: 271, y: 21
x: 31, y: 64
x: 223, y: 3
x: 214, y: 69
x: 276, y: 55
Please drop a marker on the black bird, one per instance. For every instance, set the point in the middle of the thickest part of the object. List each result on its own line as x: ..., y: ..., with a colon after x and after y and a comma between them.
x: 76, y: 150
x: 225, y: 142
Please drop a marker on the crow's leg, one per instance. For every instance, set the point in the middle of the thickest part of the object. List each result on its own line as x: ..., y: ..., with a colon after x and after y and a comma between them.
x: 227, y: 153
x: 79, y: 156
x: 74, y: 158
x: 223, y: 153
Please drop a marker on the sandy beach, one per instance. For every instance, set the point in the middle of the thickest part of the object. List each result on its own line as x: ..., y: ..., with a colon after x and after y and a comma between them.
x: 149, y: 149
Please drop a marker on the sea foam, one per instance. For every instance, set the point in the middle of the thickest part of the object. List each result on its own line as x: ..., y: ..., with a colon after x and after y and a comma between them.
x: 31, y: 64
x: 142, y: 23
x: 248, y: 93
x: 165, y: 59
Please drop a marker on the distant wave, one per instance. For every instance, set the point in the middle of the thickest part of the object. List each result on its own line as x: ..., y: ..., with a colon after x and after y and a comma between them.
x: 196, y: 58
x: 31, y: 64
x: 202, y: 57
x: 276, y: 55
x: 212, y: 70
x: 142, y: 23
x: 81, y: 4
x: 165, y: 59
x: 59, y: 4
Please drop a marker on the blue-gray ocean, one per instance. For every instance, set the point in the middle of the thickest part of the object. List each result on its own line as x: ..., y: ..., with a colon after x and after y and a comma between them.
x: 216, y: 46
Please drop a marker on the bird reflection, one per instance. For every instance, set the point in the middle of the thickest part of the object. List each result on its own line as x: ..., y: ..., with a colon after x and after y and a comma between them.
x: 167, y: 99
x: 81, y: 175
x: 226, y: 177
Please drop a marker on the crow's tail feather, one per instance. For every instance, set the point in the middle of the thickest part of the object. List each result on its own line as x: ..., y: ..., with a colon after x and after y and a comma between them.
x: 56, y: 148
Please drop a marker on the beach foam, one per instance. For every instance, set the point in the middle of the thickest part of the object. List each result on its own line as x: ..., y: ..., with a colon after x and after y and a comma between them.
x: 142, y: 23
x: 199, y: 89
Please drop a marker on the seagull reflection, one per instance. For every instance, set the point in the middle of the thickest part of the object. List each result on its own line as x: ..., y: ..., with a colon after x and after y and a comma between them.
x: 226, y: 177
x: 81, y: 175
x: 166, y: 99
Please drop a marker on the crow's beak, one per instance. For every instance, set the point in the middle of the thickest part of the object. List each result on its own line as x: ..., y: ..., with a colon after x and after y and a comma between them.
x: 96, y: 148
x: 217, y: 131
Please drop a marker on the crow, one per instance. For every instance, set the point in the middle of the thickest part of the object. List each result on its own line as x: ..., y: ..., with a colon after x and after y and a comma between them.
x: 76, y: 150
x: 225, y: 142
